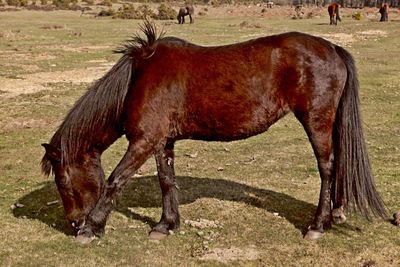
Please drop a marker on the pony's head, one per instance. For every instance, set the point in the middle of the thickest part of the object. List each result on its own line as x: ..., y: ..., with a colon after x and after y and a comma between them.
x: 79, y: 183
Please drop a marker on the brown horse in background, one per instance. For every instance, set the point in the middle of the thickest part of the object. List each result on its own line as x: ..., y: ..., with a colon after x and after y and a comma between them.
x: 185, y: 11
x: 384, y: 11
x: 165, y: 89
x: 333, y: 10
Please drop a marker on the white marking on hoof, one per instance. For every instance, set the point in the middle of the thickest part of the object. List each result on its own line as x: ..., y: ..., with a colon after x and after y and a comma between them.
x: 84, y: 240
x: 338, y: 215
x: 157, y: 235
x: 313, y: 235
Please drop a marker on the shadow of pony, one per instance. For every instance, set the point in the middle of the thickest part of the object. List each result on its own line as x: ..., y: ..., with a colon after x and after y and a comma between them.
x: 144, y: 192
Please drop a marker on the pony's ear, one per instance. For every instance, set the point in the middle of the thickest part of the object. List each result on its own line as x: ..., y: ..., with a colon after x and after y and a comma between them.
x: 52, y: 152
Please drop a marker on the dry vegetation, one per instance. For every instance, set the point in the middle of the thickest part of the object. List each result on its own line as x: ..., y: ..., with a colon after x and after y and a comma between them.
x: 244, y: 203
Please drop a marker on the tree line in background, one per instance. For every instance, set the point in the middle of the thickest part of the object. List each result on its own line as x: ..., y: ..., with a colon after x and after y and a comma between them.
x: 165, y: 10
x: 343, y: 3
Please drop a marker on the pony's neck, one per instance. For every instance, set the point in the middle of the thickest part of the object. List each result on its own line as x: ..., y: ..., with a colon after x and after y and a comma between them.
x: 97, y: 144
x: 104, y: 141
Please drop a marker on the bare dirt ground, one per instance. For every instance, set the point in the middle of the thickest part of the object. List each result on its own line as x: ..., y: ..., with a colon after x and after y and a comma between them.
x: 36, y: 82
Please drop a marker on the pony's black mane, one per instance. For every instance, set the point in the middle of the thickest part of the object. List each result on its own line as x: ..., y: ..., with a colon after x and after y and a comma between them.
x: 102, y: 104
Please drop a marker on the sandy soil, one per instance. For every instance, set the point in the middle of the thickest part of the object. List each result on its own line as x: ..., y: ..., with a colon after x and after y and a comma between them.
x: 36, y: 82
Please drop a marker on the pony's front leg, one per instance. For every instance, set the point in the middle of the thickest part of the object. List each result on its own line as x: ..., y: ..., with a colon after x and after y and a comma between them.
x: 136, y: 155
x: 166, y: 175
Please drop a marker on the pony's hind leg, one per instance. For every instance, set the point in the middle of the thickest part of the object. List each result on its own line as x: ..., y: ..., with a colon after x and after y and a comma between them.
x: 321, y: 140
x: 166, y: 175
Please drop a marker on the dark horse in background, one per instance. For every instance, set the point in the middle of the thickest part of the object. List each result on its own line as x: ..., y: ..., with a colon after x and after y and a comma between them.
x: 165, y: 89
x: 384, y: 11
x: 185, y: 11
x: 333, y: 10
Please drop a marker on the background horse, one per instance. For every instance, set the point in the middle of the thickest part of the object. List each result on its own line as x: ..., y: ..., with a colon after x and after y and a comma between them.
x: 185, y: 11
x: 164, y: 89
x: 333, y: 10
x: 384, y: 11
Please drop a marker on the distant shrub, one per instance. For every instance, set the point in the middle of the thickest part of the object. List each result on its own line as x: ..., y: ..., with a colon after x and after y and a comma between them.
x: 166, y: 12
x: 105, y: 3
x: 127, y: 11
x: 43, y: 2
x: 146, y: 11
x: 12, y: 2
x: 217, y: 3
x: 89, y: 2
x: 358, y: 16
x: 106, y: 13
x: 61, y: 3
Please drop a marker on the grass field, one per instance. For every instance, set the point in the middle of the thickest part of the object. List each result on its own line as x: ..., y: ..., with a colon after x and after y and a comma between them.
x: 244, y: 203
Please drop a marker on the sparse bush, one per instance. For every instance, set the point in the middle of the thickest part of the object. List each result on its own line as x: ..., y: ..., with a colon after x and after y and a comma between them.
x: 89, y: 2
x: 127, y: 11
x: 145, y: 11
x: 358, y: 16
x: 216, y: 3
x: 106, y: 13
x: 61, y: 3
x: 43, y: 2
x: 105, y: 3
x: 12, y: 2
x: 166, y: 12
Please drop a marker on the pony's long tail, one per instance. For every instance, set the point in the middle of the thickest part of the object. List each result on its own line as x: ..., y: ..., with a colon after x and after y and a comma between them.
x: 354, y: 184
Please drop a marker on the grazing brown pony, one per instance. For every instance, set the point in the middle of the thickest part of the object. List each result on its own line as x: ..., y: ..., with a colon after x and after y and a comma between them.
x: 384, y: 11
x: 333, y: 10
x: 185, y: 11
x: 164, y: 89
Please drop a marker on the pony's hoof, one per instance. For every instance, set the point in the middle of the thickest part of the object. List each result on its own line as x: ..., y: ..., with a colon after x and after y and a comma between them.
x: 396, y: 218
x: 84, y: 240
x: 338, y: 216
x: 157, y: 235
x: 313, y: 235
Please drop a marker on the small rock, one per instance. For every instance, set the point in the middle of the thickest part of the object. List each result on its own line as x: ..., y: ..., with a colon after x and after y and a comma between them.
x: 192, y: 156
x: 52, y: 202
x: 154, y: 235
